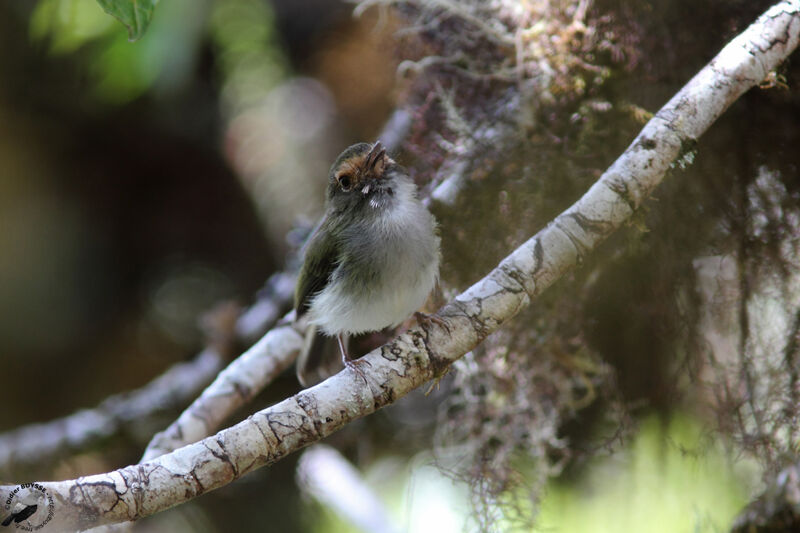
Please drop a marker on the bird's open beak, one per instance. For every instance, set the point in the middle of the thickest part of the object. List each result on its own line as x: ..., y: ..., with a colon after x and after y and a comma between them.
x: 374, y: 165
x: 375, y: 155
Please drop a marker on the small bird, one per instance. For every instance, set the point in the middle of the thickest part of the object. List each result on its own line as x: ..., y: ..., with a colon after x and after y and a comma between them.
x: 373, y: 258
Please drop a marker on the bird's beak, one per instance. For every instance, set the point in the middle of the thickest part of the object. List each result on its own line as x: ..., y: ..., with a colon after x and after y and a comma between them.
x: 374, y: 165
x: 375, y: 155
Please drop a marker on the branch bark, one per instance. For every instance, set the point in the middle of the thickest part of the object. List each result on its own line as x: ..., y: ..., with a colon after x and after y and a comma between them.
x: 425, y: 352
x: 239, y: 383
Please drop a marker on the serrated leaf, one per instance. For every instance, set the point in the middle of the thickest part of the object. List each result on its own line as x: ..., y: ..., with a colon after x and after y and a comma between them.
x: 134, y: 14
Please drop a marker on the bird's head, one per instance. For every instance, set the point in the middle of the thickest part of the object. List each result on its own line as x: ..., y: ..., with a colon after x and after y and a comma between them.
x: 363, y: 175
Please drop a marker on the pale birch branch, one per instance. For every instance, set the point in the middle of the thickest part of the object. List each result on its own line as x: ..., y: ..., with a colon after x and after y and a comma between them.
x: 423, y: 353
x: 236, y: 385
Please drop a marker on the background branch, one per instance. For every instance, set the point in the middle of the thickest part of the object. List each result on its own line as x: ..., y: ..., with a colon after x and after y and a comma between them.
x: 51, y: 440
x: 178, y: 385
x: 328, y: 477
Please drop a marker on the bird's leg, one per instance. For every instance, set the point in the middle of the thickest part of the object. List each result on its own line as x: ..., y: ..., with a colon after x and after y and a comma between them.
x: 423, y: 318
x: 342, y: 350
x: 351, y: 363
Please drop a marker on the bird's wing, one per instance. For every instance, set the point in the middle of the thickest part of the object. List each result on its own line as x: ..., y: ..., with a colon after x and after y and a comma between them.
x: 320, y: 262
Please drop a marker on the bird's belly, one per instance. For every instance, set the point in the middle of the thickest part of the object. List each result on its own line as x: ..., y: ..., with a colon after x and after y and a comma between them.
x: 382, y: 303
x: 390, y: 266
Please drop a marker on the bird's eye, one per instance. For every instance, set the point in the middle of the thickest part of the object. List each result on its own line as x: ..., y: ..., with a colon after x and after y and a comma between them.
x: 345, y: 182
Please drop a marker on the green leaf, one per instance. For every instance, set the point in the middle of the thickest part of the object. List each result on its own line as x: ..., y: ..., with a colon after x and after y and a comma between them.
x: 134, y: 14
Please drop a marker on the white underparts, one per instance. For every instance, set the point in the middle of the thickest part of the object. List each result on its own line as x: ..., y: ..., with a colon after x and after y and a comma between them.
x: 407, y: 263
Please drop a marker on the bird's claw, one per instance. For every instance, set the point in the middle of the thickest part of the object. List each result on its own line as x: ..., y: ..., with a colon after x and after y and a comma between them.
x: 424, y: 318
x: 354, y: 365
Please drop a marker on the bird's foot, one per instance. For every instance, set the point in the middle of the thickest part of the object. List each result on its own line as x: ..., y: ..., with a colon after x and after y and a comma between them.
x: 424, y: 318
x: 355, y: 364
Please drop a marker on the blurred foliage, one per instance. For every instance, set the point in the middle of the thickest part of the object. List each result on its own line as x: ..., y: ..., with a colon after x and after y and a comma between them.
x: 248, y: 57
x: 162, y: 60
x: 674, y: 478
x: 134, y: 14
x: 68, y: 23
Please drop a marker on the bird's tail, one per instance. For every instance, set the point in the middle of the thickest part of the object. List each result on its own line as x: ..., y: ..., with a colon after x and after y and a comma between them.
x: 319, y: 358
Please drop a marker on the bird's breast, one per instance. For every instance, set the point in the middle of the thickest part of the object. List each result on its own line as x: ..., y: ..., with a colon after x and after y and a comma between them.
x: 388, y: 267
